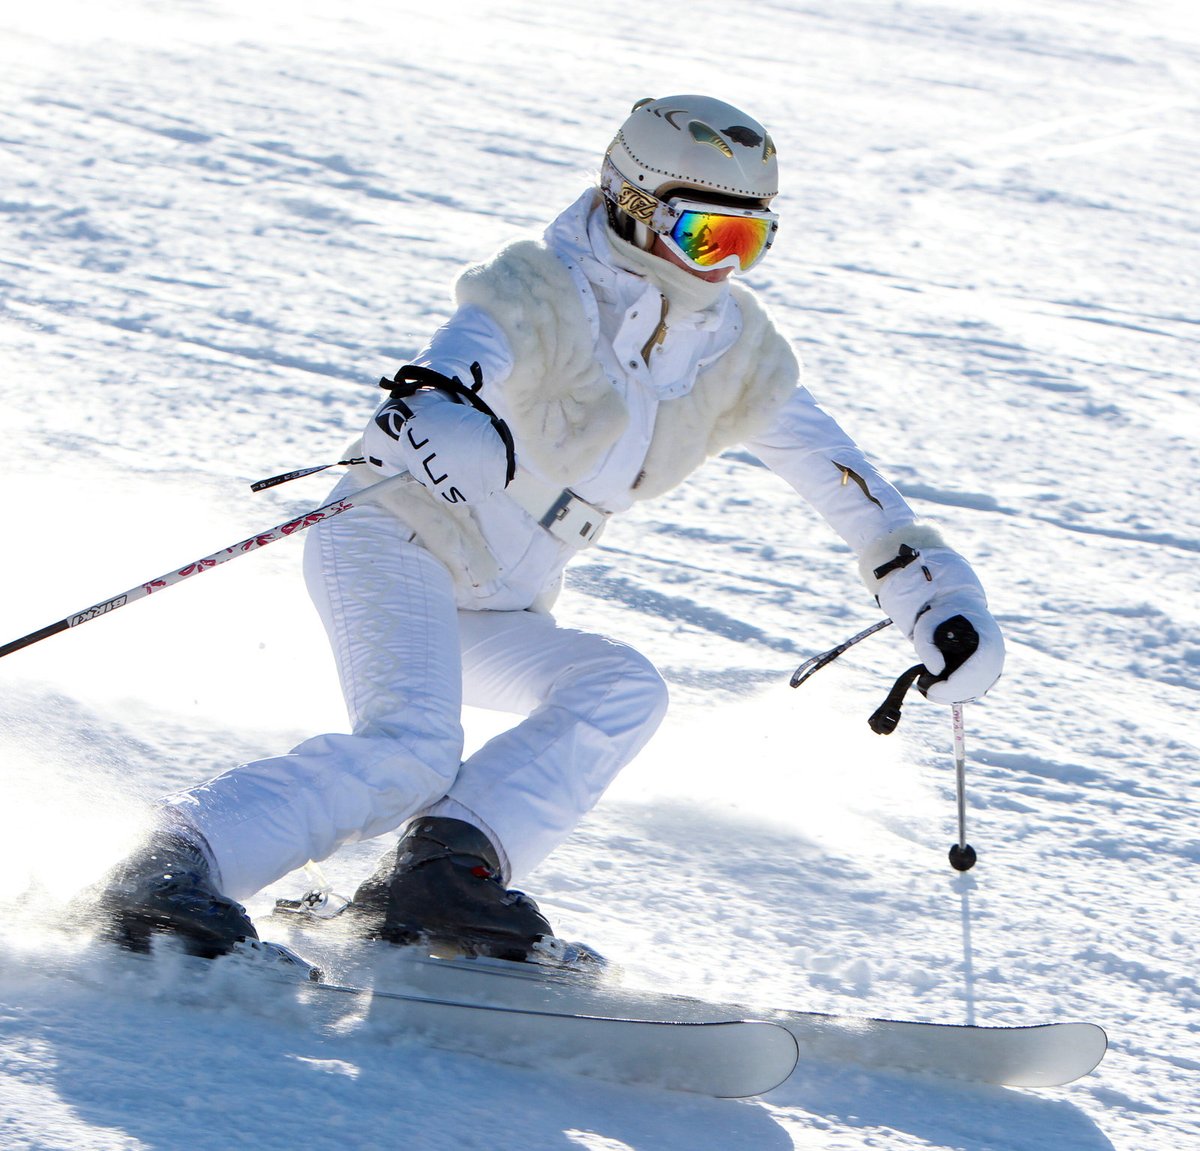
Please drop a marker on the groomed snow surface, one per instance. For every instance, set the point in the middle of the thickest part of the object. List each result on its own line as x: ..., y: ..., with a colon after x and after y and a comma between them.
x: 221, y: 222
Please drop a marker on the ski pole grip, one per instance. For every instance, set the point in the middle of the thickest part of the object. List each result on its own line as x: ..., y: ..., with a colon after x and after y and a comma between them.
x: 957, y: 640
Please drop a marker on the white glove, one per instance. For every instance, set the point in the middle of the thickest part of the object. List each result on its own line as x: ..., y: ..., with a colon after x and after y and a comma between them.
x: 452, y: 448
x: 937, y: 638
x: 924, y: 585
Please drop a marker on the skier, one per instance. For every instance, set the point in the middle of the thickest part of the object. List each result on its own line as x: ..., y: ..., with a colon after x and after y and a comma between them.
x: 581, y: 372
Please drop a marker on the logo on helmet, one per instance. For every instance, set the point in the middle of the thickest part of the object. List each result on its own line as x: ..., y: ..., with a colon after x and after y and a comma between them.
x: 640, y: 205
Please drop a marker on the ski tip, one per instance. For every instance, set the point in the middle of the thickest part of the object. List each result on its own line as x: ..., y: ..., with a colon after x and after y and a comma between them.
x: 1070, y: 1051
x: 277, y: 958
x: 1091, y: 1049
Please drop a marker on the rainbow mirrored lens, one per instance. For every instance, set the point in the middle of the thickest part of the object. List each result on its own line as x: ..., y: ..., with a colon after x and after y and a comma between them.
x: 708, y: 239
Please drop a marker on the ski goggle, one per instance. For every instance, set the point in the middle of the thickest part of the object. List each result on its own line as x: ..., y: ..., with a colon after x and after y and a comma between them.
x: 707, y: 237
x: 704, y: 236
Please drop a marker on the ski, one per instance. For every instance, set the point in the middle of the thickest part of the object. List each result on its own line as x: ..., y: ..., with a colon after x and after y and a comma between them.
x: 570, y: 978
x: 1039, y: 1055
x: 728, y: 1058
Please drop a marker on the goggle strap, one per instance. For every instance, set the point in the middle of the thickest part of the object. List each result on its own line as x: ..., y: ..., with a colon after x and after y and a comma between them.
x: 659, y: 215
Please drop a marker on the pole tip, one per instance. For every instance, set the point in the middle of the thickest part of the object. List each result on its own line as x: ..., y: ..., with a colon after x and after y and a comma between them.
x: 962, y: 857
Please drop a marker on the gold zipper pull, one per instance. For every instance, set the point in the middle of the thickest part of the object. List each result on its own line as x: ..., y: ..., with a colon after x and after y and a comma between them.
x: 659, y: 335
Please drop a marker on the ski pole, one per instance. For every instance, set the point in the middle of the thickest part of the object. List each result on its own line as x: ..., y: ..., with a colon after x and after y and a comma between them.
x: 178, y: 575
x: 962, y: 854
x: 958, y: 640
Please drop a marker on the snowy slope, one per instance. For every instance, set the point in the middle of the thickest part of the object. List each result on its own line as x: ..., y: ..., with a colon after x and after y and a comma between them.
x: 221, y: 222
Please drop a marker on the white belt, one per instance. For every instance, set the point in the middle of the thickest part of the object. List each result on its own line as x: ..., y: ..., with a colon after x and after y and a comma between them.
x: 566, y: 516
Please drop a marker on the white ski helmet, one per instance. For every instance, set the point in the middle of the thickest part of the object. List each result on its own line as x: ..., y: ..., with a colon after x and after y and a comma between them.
x: 685, y: 147
x: 683, y: 144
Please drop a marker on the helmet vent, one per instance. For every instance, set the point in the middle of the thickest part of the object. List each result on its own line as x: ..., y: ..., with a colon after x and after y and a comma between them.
x: 703, y: 134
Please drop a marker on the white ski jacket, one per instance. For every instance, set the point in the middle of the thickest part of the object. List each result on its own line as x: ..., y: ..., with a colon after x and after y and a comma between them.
x: 614, y: 397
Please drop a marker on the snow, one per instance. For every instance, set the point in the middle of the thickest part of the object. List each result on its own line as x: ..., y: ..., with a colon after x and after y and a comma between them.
x: 221, y: 222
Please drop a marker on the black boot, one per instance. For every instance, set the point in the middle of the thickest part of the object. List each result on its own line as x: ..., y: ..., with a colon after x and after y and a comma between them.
x: 167, y: 887
x: 442, y: 884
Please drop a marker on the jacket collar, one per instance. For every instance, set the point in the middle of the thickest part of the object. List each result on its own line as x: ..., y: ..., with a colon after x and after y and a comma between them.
x: 581, y: 235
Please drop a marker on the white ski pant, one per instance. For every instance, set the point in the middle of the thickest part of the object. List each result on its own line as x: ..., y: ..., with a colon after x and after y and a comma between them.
x: 408, y: 659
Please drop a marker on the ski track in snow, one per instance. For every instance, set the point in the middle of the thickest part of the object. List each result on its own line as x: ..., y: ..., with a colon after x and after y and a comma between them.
x: 220, y: 223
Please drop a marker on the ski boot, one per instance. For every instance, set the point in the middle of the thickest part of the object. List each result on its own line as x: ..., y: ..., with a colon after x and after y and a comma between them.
x: 442, y: 885
x: 167, y: 887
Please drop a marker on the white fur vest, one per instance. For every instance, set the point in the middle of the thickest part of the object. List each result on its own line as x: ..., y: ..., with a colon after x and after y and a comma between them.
x: 564, y: 412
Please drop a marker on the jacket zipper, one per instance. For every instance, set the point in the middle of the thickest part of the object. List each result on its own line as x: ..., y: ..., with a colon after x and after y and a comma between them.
x: 659, y: 334
x: 850, y: 474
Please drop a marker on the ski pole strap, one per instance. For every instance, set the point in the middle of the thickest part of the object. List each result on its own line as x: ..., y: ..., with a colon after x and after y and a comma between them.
x: 886, y: 716
x: 812, y: 666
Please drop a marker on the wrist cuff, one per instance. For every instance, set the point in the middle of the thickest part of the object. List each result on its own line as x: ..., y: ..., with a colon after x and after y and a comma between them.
x: 884, y: 556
